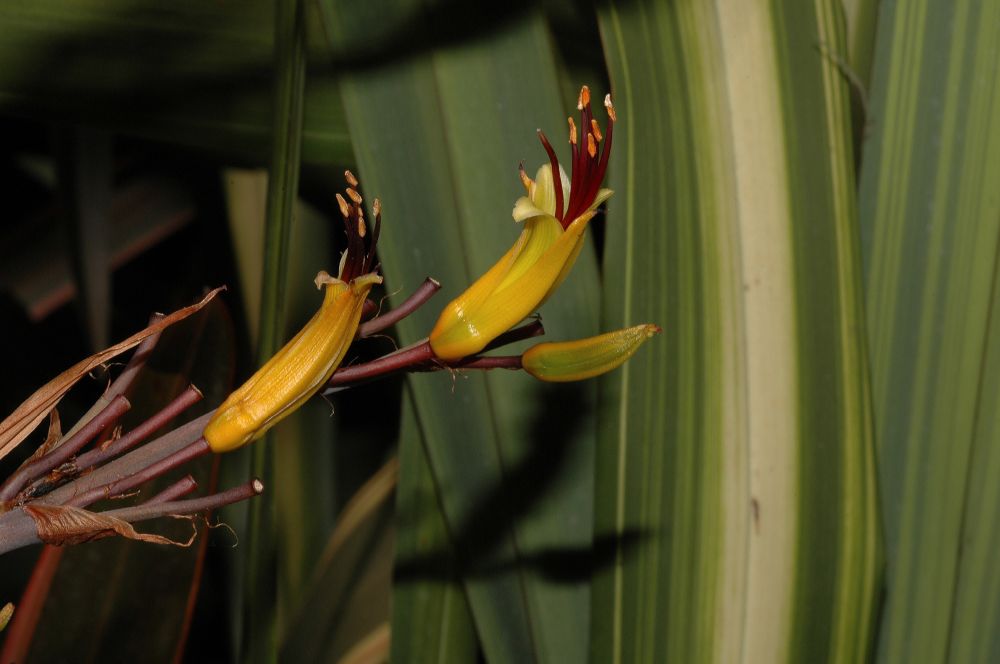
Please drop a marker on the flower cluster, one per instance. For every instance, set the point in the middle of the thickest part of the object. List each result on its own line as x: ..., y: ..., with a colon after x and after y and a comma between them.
x: 554, y: 212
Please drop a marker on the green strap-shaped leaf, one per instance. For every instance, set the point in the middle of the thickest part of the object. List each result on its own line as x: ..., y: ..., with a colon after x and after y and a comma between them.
x: 438, y: 136
x: 930, y: 218
x: 860, y: 16
x: 260, y: 639
x: 734, y: 467
x: 193, y: 73
x: 975, y: 619
x: 430, y: 615
x: 303, y: 489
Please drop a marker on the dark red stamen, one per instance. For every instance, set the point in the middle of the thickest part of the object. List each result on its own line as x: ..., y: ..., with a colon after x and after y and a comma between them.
x: 576, y: 174
x: 588, y: 169
x: 370, y: 256
x: 602, y: 167
x: 556, y: 177
x: 360, y: 251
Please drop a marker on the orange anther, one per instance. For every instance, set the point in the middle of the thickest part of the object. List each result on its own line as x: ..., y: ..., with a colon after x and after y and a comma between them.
x: 611, y: 109
x: 345, y: 209
x: 596, y: 130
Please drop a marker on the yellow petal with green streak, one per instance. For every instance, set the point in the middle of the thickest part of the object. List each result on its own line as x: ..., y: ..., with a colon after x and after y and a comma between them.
x: 295, y: 372
x: 455, y: 315
x: 540, y: 234
x: 511, y: 290
x: 585, y: 358
x: 582, y: 221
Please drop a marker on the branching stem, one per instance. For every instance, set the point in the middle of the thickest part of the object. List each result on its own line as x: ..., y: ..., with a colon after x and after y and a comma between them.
x: 62, y: 453
x: 152, y: 471
x: 416, y: 300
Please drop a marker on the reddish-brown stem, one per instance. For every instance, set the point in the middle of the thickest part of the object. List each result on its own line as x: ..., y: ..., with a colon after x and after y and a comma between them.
x: 419, y: 357
x: 135, y: 363
x: 17, y: 529
x: 20, y: 633
x: 401, y: 360
x: 416, y: 300
x: 180, y: 488
x: 152, y: 471
x: 207, y: 503
x: 131, y: 462
x: 182, y: 402
x: 29, y: 472
x: 512, y: 362
x: 368, y: 309
x: 527, y: 331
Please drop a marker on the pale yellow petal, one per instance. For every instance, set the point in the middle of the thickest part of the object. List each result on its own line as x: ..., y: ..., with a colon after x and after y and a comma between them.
x: 543, y: 193
x: 525, y: 209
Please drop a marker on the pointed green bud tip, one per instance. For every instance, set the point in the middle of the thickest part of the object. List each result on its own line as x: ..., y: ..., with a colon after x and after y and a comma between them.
x: 6, y: 613
x: 585, y: 358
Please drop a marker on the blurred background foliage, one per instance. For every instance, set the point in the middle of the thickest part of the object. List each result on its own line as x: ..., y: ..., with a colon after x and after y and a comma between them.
x: 801, y: 468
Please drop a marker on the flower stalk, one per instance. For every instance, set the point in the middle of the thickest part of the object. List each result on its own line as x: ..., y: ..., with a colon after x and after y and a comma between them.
x: 555, y: 213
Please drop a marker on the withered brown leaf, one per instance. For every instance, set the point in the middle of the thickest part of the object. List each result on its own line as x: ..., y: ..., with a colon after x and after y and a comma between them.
x: 26, y: 417
x: 64, y: 524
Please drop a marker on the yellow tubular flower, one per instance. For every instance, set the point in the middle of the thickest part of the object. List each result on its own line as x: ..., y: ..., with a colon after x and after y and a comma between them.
x: 585, y: 358
x: 543, y: 255
x: 305, y: 363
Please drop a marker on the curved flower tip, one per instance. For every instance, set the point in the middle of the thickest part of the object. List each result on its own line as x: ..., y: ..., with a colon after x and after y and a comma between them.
x: 305, y: 364
x: 555, y: 213
x: 585, y: 358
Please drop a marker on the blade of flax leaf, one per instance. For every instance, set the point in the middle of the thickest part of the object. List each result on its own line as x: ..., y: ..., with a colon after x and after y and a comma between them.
x: 303, y: 488
x: 855, y: 63
x: 861, y: 17
x: 349, y: 590
x: 259, y: 636
x: 930, y: 218
x: 438, y: 136
x: 194, y: 73
x: 735, y: 477
x: 430, y: 615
